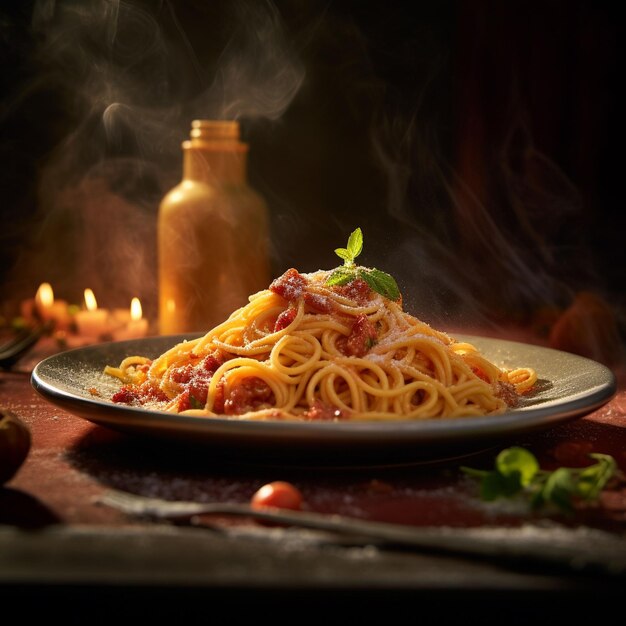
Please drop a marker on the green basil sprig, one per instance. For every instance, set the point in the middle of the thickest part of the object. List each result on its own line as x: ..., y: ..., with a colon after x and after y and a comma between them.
x: 517, y: 473
x: 377, y: 280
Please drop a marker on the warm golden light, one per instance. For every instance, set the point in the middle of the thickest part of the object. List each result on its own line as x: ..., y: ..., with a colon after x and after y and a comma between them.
x: 90, y: 300
x: 135, y: 327
x: 45, y: 296
x: 46, y: 309
x: 135, y: 309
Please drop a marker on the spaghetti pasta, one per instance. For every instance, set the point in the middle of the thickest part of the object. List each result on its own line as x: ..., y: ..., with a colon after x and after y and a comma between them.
x: 304, y: 349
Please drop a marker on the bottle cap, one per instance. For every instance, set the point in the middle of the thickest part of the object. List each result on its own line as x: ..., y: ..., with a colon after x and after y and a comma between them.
x: 214, y: 130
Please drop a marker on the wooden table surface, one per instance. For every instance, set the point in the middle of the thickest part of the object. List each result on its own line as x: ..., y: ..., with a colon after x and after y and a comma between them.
x: 60, y: 544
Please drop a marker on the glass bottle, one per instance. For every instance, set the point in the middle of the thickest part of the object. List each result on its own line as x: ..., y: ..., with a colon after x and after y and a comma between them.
x: 213, y: 233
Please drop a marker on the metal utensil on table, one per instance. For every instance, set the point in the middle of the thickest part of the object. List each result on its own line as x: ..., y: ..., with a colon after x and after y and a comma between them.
x: 16, y: 347
x: 576, y: 550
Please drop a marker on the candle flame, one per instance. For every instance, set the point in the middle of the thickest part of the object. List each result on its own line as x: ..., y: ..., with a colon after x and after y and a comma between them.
x: 90, y: 300
x: 45, y: 295
x: 135, y: 309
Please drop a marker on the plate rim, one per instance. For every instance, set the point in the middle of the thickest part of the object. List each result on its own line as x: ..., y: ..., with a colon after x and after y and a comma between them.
x: 420, y: 432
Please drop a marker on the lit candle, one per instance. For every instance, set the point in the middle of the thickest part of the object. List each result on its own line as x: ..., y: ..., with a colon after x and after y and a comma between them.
x: 137, y: 326
x: 47, y: 309
x: 92, y: 321
x: 44, y: 299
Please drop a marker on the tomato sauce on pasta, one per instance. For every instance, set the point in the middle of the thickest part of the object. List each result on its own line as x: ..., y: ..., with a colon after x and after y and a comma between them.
x: 306, y: 350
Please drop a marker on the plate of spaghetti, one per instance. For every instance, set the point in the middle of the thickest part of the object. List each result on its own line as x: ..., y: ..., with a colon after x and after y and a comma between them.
x: 328, y: 365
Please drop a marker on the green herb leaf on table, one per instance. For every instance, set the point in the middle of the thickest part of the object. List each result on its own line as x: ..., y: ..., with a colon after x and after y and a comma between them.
x: 517, y: 474
x: 517, y: 463
x: 593, y: 479
x: 377, y: 280
x: 558, y: 488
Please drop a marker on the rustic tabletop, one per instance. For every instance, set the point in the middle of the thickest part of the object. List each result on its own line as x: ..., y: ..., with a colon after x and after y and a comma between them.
x: 61, y: 543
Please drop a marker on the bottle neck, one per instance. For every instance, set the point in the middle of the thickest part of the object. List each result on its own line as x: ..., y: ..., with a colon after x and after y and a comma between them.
x: 215, y: 163
x: 214, y: 154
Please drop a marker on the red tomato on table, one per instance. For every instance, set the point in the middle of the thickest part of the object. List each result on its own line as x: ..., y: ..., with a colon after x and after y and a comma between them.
x: 278, y: 494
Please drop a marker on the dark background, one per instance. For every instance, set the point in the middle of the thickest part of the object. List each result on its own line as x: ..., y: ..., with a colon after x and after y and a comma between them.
x: 477, y: 144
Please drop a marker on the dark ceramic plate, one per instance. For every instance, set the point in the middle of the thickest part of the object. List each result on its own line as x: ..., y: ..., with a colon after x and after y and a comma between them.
x: 569, y: 387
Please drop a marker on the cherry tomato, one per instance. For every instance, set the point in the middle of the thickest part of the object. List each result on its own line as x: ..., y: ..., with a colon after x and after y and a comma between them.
x: 278, y: 494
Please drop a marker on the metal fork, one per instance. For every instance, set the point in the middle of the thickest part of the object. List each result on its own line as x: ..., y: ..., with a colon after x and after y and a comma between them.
x: 582, y: 550
x: 16, y: 347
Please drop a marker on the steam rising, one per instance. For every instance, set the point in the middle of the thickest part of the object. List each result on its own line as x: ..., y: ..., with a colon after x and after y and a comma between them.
x: 258, y: 75
x: 478, y: 260
x: 131, y: 83
x: 468, y: 235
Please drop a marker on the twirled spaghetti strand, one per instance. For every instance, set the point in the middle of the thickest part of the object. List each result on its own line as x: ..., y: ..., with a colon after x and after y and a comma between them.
x: 302, y: 350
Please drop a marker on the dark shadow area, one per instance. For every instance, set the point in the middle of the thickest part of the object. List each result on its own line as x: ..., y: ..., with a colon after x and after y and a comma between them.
x: 435, y: 493
x: 22, y: 510
x: 476, y: 143
x: 163, y: 605
x: 111, y: 457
